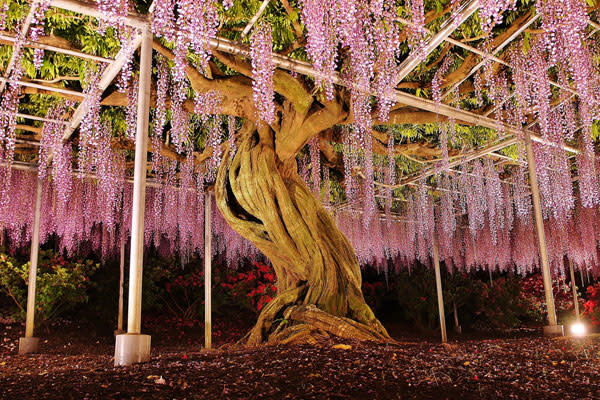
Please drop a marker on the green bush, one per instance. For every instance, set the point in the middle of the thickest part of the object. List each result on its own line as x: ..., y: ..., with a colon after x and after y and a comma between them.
x: 60, y: 285
x: 412, y: 299
x: 503, y: 305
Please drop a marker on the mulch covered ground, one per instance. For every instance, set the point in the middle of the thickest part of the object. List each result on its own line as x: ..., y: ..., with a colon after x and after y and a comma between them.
x: 78, y: 367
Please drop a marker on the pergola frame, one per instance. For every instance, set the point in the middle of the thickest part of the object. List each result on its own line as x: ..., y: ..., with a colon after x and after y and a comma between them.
x: 128, y: 351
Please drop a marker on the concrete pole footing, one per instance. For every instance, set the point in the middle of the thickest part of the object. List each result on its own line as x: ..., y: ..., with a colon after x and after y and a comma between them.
x: 29, y: 345
x: 554, y: 330
x: 132, y: 349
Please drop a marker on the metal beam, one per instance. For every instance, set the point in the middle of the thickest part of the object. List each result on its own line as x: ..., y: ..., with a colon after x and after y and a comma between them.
x: 255, y: 18
x: 438, y: 286
x: 475, y: 154
x: 109, y: 74
x: 36, y: 118
x: 450, y: 26
x: 44, y: 87
x: 134, y: 309
x: 17, y: 49
x: 29, y: 344
x: 574, y: 288
x: 56, y: 49
x: 301, y: 67
x: 541, y: 235
x: 91, y: 9
x: 207, y: 271
x: 496, y: 50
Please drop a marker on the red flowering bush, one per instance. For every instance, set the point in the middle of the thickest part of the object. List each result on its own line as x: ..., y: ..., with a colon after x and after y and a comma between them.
x: 253, y: 289
x: 533, y: 293
x: 592, y: 305
x: 181, y: 292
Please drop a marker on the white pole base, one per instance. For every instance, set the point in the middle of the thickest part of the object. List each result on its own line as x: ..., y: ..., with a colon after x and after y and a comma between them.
x: 132, y: 349
x: 554, y: 330
x: 29, y: 345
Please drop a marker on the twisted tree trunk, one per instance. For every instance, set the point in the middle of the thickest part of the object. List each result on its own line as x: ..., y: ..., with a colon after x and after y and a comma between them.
x: 319, y: 279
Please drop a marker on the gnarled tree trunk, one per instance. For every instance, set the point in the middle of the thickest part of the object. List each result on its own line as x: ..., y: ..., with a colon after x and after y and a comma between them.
x: 319, y: 279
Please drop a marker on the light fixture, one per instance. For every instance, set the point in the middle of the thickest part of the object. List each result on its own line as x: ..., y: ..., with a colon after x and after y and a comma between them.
x: 578, y: 329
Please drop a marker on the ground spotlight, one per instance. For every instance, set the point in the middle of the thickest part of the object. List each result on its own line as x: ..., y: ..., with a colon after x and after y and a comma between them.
x: 578, y: 329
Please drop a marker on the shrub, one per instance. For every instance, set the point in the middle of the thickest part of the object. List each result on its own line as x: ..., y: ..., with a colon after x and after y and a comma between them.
x: 533, y: 294
x: 181, y: 292
x: 592, y: 305
x: 60, y: 285
x: 502, y: 304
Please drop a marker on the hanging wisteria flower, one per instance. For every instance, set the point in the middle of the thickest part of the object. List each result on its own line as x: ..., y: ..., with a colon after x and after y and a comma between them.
x: 315, y: 159
x: 231, y: 133
x: 207, y: 104
x: 262, y: 72
x: 180, y: 128
x: 90, y: 129
x: 214, y: 141
x: 162, y: 89
x: 387, y: 44
x: 131, y: 109
x: 490, y: 12
x: 197, y: 22
x: 114, y: 11
x: 318, y: 16
x: 127, y: 37
x: 4, y: 15
x: 418, y: 32
x: 163, y: 19
x: 389, y: 177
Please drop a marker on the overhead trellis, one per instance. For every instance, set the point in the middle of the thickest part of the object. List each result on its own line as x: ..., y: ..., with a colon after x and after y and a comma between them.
x: 431, y: 104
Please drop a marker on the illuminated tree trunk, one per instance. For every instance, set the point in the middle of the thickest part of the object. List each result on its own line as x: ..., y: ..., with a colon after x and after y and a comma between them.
x: 319, y: 279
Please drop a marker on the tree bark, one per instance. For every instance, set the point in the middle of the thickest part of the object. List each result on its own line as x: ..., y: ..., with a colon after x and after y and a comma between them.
x: 319, y: 279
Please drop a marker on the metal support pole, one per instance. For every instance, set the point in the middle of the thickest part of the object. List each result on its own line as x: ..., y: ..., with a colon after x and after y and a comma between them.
x: 581, y: 276
x: 121, y: 283
x: 552, y: 328
x: 29, y: 344
x: 491, y: 279
x: 207, y: 272
x: 587, y: 276
x: 134, y: 347
x: 457, y: 327
x: 574, y: 286
x: 440, y: 295
x: 134, y: 310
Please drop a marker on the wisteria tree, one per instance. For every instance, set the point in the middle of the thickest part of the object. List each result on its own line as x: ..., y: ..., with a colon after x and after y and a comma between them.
x: 258, y: 188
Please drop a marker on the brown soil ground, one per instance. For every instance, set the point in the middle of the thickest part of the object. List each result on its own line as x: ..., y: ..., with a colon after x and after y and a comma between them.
x: 77, y: 364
